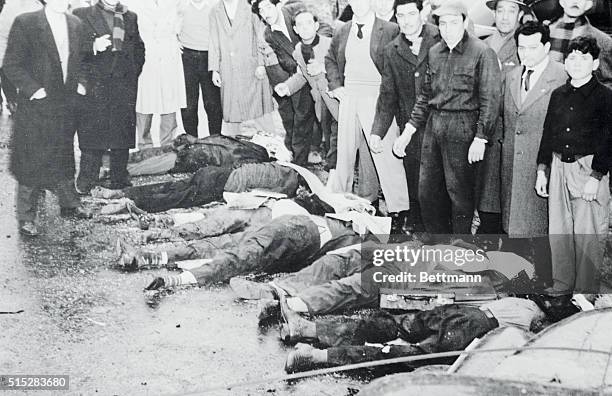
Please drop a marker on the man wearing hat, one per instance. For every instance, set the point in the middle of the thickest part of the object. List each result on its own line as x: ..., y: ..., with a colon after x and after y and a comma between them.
x: 508, y: 13
x: 458, y: 107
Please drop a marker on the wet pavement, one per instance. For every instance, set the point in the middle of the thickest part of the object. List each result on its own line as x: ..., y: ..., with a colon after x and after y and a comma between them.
x: 83, y: 318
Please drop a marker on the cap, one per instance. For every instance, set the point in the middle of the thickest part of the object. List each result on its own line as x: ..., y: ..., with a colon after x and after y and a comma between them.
x: 451, y: 7
x: 492, y: 4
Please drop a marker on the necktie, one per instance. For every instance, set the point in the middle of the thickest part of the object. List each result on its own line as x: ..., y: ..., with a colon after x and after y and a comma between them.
x: 359, y: 31
x: 527, y: 78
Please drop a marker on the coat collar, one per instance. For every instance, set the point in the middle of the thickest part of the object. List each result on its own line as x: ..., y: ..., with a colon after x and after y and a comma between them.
x: 73, y: 47
x: 430, y: 37
x: 542, y: 87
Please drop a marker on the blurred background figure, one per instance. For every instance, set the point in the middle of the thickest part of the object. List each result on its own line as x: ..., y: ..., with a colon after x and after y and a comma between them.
x: 161, y: 85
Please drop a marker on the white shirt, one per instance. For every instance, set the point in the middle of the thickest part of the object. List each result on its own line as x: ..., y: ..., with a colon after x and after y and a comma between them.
x: 417, y: 40
x: 538, y: 70
x: 280, y: 23
x: 366, y: 29
x: 59, y: 28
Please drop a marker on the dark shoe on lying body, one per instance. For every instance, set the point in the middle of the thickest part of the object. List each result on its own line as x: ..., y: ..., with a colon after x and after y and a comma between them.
x: 301, y: 359
x: 295, y: 328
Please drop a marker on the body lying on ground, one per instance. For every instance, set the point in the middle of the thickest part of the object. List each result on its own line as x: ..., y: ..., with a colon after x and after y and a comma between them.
x: 444, y: 328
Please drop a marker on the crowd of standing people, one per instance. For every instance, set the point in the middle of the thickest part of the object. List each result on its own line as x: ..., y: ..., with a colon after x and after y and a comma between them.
x: 512, y: 131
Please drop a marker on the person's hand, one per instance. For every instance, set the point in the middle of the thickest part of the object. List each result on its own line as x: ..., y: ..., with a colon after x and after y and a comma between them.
x: 314, y: 68
x: 589, y: 193
x: 338, y: 93
x: 216, y: 79
x: 40, y: 94
x: 376, y: 145
x: 541, y: 184
x: 260, y: 72
x: 81, y: 89
x: 476, y: 151
x: 400, y: 144
x: 282, y: 90
x: 102, y: 43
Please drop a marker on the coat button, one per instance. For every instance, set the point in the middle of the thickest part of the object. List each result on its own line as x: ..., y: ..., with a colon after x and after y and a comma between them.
x: 567, y: 129
x: 518, y: 132
x: 567, y: 146
x: 416, y: 74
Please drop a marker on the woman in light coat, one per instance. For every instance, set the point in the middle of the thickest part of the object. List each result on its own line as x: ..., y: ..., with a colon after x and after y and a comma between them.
x: 238, y: 66
x: 161, y: 86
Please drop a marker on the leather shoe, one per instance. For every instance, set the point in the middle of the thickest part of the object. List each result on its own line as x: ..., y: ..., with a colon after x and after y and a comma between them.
x: 76, y: 213
x: 28, y: 228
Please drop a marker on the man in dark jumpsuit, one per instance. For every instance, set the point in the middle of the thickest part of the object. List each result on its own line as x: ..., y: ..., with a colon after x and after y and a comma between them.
x: 458, y: 107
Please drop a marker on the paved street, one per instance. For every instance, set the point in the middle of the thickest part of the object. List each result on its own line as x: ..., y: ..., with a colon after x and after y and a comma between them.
x: 84, y: 318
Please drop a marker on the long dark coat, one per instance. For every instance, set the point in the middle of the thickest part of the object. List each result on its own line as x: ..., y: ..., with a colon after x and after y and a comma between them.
x: 525, y: 214
x: 402, y: 83
x: 107, y: 115
x: 42, y: 151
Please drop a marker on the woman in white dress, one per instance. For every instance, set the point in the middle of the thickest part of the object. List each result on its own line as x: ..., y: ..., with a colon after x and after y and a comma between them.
x: 161, y: 86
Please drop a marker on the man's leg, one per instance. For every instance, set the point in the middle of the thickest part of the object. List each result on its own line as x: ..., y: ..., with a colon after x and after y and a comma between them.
x: 304, y: 118
x: 10, y: 92
x: 329, y: 127
x: 590, y: 233
x: 349, y: 140
x: 89, y: 170
x: 167, y: 128
x: 561, y: 229
x: 67, y: 195
x: 143, y: 129
x: 211, y: 95
x: 192, y: 89
x: 459, y: 175
x: 27, y: 202
x: 118, y: 168
x: 433, y: 198
x: 285, y: 109
x: 281, y: 245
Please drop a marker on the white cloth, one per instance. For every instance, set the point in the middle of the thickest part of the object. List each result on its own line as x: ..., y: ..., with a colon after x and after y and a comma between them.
x: 161, y: 85
x: 512, y: 311
x: 59, y: 28
x: 193, y: 33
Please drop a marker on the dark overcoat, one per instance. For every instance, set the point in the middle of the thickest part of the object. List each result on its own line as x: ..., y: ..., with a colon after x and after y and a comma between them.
x: 524, y: 213
x: 107, y: 115
x: 42, y: 151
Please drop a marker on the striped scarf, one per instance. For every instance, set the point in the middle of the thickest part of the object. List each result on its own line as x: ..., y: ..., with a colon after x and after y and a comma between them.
x: 562, y: 33
x: 118, y: 27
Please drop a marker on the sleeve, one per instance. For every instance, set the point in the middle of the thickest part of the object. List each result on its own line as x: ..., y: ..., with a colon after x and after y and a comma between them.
x: 296, y: 82
x: 489, y: 93
x: 332, y: 70
x: 545, y: 150
x: 420, y: 111
x: 387, y: 105
x: 139, y: 49
x: 18, y: 61
x: 604, y: 72
x: 214, y: 52
x: 601, y: 159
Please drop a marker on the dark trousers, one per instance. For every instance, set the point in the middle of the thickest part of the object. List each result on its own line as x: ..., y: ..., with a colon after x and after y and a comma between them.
x: 195, y: 66
x: 329, y: 127
x: 91, y: 161
x: 536, y: 250
x: 298, y: 116
x: 27, y: 198
x: 10, y: 92
x: 447, y: 180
